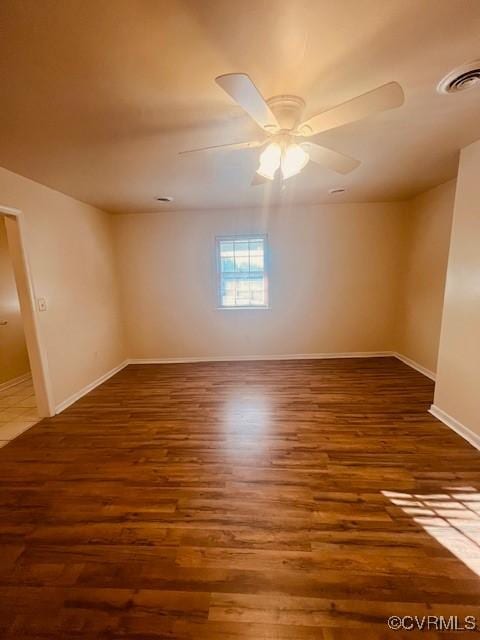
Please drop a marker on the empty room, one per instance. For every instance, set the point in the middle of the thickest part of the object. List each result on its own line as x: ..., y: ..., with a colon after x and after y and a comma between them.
x: 239, y: 319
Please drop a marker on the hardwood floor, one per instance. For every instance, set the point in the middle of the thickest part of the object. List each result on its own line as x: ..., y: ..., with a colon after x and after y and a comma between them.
x: 283, y: 500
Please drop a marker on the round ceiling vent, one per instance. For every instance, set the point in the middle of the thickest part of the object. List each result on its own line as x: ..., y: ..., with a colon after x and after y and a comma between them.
x: 465, y: 77
x: 164, y: 199
x: 336, y: 190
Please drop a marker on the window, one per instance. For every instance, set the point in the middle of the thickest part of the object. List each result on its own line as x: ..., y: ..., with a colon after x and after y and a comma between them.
x: 242, y: 274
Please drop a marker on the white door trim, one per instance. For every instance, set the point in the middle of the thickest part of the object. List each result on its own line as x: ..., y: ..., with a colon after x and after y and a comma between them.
x: 15, y: 226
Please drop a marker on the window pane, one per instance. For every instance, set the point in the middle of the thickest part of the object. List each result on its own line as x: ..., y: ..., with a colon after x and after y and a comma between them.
x: 257, y: 284
x: 228, y: 301
x: 256, y: 246
x: 227, y: 263
x: 256, y: 263
x: 241, y: 247
x: 241, y: 262
x: 226, y: 248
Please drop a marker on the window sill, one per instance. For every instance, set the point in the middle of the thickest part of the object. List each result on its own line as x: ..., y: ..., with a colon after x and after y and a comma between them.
x: 243, y: 308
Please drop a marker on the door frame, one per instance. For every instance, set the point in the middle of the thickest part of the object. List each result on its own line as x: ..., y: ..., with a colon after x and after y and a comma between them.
x: 16, y: 238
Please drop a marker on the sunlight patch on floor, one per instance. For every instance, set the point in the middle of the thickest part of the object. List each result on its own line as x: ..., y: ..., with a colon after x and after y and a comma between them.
x: 451, y: 517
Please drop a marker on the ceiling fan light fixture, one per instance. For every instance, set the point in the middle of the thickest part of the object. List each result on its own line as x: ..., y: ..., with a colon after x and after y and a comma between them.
x: 294, y: 159
x: 280, y: 116
x: 270, y: 160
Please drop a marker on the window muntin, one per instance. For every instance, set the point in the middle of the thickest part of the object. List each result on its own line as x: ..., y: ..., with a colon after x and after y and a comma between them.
x: 242, y: 276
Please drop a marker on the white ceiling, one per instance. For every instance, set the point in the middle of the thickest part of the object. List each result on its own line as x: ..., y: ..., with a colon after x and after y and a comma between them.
x: 100, y: 96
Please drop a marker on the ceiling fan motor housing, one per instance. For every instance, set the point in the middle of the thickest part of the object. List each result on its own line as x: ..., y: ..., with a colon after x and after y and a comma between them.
x: 288, y: 111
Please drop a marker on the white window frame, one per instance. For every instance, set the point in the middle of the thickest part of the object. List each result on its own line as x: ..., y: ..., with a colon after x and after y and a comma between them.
x: 266, y: 270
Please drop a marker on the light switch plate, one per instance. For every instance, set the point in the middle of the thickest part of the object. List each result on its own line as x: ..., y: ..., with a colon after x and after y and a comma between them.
x: 42, y: 304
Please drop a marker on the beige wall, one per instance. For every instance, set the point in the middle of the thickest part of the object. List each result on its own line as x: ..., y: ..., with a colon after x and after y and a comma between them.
x: 334, y: 285
x: 428, y: 221
x: 457, y: 392
x: 71, y: 254
x: 13, y: 350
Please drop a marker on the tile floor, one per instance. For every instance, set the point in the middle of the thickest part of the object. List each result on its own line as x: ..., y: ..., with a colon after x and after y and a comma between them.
x: 18, y: 411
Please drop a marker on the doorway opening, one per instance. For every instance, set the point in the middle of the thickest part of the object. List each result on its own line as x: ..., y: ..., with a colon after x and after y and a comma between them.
x: 18, y: 406
x: 25, y: 395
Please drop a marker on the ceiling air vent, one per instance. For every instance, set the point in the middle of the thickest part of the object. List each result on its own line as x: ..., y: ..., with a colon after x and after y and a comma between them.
x: 164, y: 199
x: 465, y: 77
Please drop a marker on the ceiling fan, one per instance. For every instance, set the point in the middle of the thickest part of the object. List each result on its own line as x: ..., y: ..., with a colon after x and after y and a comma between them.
x: 280, y: 118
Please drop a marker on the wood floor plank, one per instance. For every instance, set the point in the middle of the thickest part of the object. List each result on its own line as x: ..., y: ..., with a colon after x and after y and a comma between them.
x: 286, y: 500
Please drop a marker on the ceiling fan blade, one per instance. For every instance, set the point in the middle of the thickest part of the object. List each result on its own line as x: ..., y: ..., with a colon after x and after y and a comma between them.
x: 328, y: 158
x: 388, y: 96
x: 240, y: 87
x: 234, y: 146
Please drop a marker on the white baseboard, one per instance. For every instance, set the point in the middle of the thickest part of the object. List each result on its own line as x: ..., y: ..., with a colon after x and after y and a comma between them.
x: 411, y: 363
x: 466, y: 433
x: 291, y: 356
x: 89, y: 387
x: 11, y: 383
